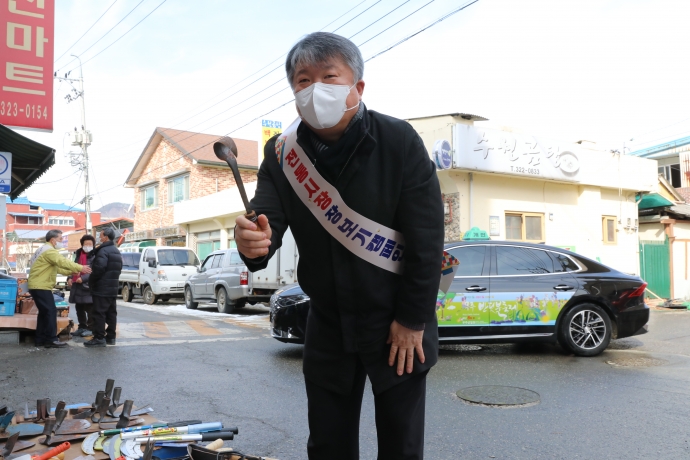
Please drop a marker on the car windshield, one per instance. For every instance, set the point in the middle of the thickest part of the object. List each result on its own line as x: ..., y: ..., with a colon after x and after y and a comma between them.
x: 177, y: 257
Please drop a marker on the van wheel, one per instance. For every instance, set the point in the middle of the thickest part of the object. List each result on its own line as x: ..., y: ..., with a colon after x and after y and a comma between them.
x: 127, y: 295
x: 585, y: 330
x: 149, y: 297
x: 225, y: 305
x: 189, y: 299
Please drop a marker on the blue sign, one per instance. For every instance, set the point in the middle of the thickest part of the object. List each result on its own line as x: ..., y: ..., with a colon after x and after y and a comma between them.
x: 5, y: 172
x: 442, y: 154
x: 271, y: 124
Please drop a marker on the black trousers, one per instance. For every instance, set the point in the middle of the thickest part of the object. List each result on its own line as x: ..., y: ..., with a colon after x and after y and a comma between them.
x: 334, y: 420
x: 104, y: 312
x: 46, y: 323
x: 84, y: 315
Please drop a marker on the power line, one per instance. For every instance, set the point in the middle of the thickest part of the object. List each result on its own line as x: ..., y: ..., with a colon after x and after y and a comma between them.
x: 396, y: 23
x: 399, y: 42
x: 103, y: 36
x: 118, y: 38
x: 243, y: 80
x: 59, y: 180
x: 443, y: 18
x: 87, y: 31
x: 278, y: 81
x: 343, y: 25
x: 403, y: 3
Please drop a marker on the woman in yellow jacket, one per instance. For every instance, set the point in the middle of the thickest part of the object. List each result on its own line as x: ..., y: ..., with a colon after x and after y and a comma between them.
x: 45, y: 264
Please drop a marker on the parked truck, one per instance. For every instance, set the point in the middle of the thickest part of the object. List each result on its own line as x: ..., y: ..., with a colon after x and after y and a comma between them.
x: 223, y: 278
x: 157, y: 273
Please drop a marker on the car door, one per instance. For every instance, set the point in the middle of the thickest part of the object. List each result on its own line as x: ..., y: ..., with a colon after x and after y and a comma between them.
x: 464, y: 310
x: 213, y: 274
x: 149, y: 272
x: 199, y: 281
x: 529, y: 288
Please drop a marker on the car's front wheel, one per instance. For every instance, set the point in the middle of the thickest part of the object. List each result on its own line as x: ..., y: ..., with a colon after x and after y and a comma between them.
x: 225, y: 305
x: 127, y: 295
x: 149, y: 297
x: 585, y: 330
x: 189, y: 299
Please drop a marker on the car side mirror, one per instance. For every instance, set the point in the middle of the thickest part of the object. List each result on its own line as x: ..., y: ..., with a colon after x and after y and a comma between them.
x: 198, y: 269
x: 152, y: 263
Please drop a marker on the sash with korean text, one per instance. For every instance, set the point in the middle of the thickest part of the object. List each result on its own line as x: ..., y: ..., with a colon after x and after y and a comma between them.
x: 368, y: 240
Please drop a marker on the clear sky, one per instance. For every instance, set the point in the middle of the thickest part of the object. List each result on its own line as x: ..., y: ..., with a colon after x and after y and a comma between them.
x: 601, y: 70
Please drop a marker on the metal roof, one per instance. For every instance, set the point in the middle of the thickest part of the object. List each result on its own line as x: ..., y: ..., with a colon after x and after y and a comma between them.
x: 31, y: 234
x: 47, y: 206
x: 29, y: 159
x: 661, y: 147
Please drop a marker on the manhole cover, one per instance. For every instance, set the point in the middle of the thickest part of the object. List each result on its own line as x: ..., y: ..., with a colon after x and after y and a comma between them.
x: 636, y: 362
x: 499, y: 396
x: 460, y: 347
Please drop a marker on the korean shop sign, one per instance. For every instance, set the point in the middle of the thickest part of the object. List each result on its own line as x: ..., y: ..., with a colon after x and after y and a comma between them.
x: 493, y: 150
x: 26, y: 60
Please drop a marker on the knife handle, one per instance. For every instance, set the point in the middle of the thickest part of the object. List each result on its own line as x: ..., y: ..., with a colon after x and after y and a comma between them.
x: 251, y: 216
x: 53, y: 452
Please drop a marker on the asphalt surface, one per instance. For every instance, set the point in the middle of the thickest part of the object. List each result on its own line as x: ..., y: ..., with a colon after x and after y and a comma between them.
x: 227, y: 368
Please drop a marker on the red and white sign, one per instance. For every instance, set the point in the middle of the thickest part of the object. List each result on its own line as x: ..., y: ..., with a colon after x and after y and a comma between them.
x: 26, y: 55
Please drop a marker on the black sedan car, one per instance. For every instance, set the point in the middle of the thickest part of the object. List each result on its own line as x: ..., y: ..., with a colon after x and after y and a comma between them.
x: 505, y: 292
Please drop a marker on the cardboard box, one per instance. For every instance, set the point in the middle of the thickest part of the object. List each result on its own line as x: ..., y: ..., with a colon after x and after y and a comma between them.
x: 28, y: 307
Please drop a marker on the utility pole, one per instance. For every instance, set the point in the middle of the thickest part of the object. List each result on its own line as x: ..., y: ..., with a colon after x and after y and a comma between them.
x: 82, y: 139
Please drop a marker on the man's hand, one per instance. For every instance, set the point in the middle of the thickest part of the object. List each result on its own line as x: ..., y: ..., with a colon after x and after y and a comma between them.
x: 253, y: 239
x: 86, y: 269
x: 404, y: 342
x: 69, y: 282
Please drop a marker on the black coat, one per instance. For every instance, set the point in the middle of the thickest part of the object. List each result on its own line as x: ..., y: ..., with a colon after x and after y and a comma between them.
x: 106, y: 268
x: 391, y: 180
x: 81, y: 292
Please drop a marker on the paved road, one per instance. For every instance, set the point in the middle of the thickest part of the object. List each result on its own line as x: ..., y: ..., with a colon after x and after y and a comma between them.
x: 226, y: 367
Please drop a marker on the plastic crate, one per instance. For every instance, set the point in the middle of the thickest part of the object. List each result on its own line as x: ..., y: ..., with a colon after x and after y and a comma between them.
x: 8, y: 295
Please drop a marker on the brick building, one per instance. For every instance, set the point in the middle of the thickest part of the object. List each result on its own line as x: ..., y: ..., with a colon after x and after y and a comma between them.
x: 27, y: 223
x: 174, y: 167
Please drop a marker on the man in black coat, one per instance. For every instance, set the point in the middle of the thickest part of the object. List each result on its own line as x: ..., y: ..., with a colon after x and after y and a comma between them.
x: 364, y: 320
x: 104, y: 283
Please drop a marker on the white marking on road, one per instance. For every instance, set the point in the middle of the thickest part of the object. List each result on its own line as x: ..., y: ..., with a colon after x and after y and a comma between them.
x: 168, y: 342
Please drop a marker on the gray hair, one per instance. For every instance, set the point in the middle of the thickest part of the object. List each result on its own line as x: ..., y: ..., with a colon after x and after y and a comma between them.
x: 319, y: 47
x: 53, y: 234
x: 109, y: 232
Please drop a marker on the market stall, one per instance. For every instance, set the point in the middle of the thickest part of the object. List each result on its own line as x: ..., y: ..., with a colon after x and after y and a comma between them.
x: 110, y: 428
x: 22, y: 162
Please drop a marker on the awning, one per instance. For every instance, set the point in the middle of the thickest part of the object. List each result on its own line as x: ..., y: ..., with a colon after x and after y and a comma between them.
x: 29, y: 159
x: 27, y: 214
x: 653, y: 200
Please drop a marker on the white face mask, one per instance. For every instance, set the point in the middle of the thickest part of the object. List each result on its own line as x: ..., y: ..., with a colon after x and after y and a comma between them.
x: 323, y: 105
x: 87, y: 248
x: 59, y: 245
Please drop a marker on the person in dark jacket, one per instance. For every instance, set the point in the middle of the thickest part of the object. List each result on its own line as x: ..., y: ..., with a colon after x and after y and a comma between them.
x: 104, y: 283
x: 80, y: 293
x: 365, y: 320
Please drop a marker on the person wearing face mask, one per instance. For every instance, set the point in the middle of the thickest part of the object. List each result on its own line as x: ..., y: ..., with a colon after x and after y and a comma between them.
x: 360, y: 194
x: 45, y: 264
x: 80, y: 293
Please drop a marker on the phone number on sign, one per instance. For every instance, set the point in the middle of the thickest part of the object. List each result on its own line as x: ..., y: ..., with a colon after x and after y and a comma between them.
x: 12, y: 109
x: 520, y: 169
